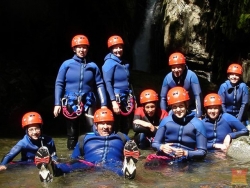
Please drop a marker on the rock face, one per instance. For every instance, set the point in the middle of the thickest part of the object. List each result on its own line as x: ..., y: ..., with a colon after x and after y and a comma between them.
x: 240, y: 149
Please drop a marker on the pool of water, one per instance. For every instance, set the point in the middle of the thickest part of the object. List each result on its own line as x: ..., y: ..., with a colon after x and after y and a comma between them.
x: 217, y: 171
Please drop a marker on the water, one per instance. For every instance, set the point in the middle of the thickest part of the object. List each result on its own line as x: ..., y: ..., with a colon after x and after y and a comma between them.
x: 217, y: 171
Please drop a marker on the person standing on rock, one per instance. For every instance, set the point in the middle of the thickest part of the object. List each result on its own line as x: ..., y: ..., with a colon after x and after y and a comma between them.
x: 180, y: 75
x: 77, y: 81
x: 116, y: 75
x: 234, y: 94
x: 221, y: 127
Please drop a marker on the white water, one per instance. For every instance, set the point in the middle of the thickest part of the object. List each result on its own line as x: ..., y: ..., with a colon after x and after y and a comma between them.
x: 141, y: 55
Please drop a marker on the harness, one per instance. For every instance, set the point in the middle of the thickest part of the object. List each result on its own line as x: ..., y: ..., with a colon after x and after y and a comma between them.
x: 126, y: 102
x: 72, y: 105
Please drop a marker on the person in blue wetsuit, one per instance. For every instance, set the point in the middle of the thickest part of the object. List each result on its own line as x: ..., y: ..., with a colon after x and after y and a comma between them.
x: 180, y: 136
x: 221, y: 127
x: 116, y: 76
x: 147, y: 118
x: 182, y: 76
x: 31, y: 142
x: 103, y: 149
x: 234, y: 94
x: 77, y: 81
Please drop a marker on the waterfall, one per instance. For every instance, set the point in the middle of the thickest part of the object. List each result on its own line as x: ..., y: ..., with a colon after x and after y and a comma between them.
x: 141, y: 53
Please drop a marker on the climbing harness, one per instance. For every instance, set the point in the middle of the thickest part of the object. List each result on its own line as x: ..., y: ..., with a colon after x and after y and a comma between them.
x: 126, y: 103
x: 72, y: 107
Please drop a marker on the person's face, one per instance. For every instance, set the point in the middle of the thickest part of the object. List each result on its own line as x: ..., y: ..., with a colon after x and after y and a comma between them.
x: 34, y: 131
x: 233, y: 78
x: 177, y: 70
x: 213, y: 111
x: 104, y: 128
x: 150, y: 108
x: 117, y: 50
x: 179, y: 109
x: 81, y: 50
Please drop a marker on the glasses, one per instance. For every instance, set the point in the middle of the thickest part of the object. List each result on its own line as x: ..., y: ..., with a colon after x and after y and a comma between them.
x: 30, y: 130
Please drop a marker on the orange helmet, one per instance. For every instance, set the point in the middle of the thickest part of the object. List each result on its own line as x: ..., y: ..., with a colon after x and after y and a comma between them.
x: 103, y: 114
x: 31, y: 118
x: 176, y: 59
x: 212, y: 99
x: 235, y: 68
x: 79, y: 40
x: 113, y: 40
x: 148, y: 95
x: 176, y: 95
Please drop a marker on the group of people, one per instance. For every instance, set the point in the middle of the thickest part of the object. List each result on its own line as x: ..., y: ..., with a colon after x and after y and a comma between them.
x: 175, y: 128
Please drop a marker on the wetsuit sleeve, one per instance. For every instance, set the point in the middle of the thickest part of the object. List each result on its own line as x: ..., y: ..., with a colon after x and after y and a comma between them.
x: 159, y: 138
x: 221, y: 92
x: 108, y: 79
x: 244, y: 103
x: 60, y: 84
x: 234, y: 123
x: 201, y: 147
x: 11, y: 155
x: 137, y: 127
x: 164, y: 90
x: 76, y: 152
x: 197, y: 94
x: 100, y: 87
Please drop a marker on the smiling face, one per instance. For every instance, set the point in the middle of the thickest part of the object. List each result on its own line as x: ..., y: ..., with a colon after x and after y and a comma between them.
x: 81, y: 50
x: 233, y: 78
x: 213, y: 111
x: 179, y: 109
x: 177, y: 70
x: 34, y: 131
x: 117, y: 50
x: 104, y: 128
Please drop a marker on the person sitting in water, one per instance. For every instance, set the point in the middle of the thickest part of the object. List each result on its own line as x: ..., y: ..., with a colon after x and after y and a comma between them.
x: 102, y: 148
x: 181, y: 136
x: 221, y: 127
x: 147, y: 118
x: 33, y: 140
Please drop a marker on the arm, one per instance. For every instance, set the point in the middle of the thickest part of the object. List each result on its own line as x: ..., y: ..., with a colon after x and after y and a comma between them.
x: 244, y: 103
x: 164, y: 90
x: 197, y: 94
x: 221, y: 92
x: 100, y: 87
x: 159, y: 138
x: 10, y: 156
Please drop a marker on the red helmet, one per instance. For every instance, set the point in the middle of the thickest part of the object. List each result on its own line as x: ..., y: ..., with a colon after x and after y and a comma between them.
x: 113, y: 40
x: 103, y: 114
x: 79, y: 40
x: 212, y: 99
x: 176, y: 95
x: 148, y: 95
x: 235, y: 68
x: 31, y: 118
x: 176, y: 59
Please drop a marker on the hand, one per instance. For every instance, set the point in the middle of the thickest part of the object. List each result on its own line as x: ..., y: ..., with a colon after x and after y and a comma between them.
x: 116, y: 108
x: 179, y: 152
x: 3, y: 167
x: 57, y: 110
x: 166, y: 148
x: 222, y: 147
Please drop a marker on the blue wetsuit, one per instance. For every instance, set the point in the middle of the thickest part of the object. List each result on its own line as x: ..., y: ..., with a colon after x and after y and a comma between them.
x: 116, y: 76
x: 28, y: 149
x: 144, y: 134
x: 190, y: 82
x: 234, y: 99
x: 188, y: 133
x: 226, y: 124
x: 102, y: 151
x: 78, y: 77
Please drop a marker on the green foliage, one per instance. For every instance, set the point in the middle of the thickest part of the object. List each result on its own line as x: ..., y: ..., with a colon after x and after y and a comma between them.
x: 244, y: 22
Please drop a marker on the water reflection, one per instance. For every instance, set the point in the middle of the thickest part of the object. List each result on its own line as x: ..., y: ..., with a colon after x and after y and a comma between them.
x: 216, y: 171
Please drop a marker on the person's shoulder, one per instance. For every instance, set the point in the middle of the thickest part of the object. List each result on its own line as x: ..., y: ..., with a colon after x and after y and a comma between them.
x: 228, y: 117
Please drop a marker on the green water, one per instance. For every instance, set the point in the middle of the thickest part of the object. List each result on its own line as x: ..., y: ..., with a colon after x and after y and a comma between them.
x: 217, y: 171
